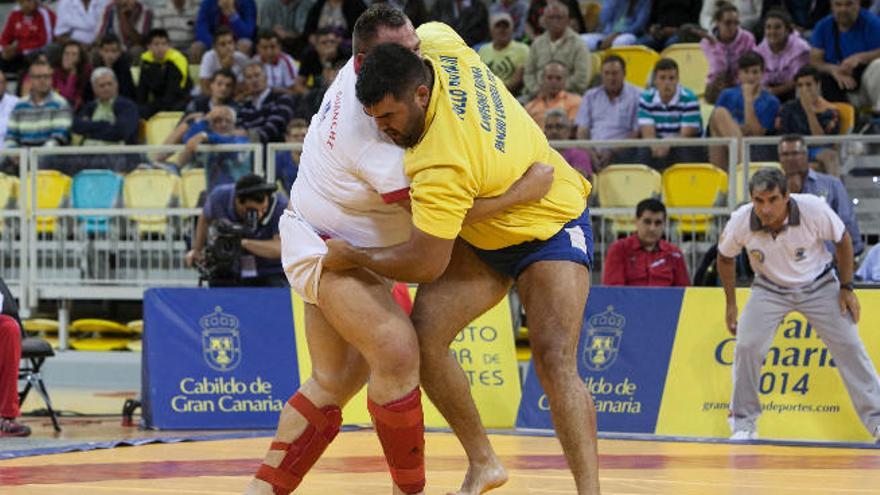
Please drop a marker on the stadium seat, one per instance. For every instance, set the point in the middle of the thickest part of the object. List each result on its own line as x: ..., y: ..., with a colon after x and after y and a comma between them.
x: 693, y: 185
x: 595, y: 67
x: 53, y: 191
x: 847, y: 116
x: 193, y: 182
x: 159, y: 126
x: 194, y: 74
x: 623, y: 186
x: 753, y: 167
x: 8, y: 191
x: 693, y: 67
x: 100, y: 335
x: 150, y: 188
x: 96, y: 189
x: 136, y: 326
x: 639, y: 60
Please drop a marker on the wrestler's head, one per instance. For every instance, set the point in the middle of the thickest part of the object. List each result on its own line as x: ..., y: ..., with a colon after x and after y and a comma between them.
x: 379, y: 24
x: 394, y: 86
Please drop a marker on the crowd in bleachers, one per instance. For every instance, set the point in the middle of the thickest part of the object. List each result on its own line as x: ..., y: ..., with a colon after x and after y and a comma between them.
x: 237, y: 71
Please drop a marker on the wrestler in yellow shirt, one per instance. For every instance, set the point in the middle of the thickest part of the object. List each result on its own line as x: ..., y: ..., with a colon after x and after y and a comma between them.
x: 478, y: 140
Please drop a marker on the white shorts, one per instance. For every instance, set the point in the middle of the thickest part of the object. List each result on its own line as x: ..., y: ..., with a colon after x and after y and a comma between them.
x: 302, y: 254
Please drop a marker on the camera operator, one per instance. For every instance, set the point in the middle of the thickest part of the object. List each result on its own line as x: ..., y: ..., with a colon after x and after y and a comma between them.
x: 246, y: 213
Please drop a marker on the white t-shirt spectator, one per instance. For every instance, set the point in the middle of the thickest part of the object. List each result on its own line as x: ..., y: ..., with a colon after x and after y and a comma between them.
x: 211, y: 64
x: 282, y: 73
x: 77, y: 21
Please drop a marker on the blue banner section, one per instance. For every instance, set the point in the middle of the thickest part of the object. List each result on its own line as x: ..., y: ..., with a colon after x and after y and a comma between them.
x: 623, y: 354
x: 217, y: 358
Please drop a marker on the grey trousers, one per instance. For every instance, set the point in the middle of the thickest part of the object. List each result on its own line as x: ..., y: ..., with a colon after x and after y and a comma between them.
x: 818, y: 301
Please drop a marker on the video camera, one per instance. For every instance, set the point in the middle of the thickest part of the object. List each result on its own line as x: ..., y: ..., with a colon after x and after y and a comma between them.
x: 221, y: 266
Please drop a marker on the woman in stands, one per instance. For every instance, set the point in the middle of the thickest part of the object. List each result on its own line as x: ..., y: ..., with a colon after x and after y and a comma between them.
x: 723, y: 47
x: 71, y: 77
x: 784, y: 52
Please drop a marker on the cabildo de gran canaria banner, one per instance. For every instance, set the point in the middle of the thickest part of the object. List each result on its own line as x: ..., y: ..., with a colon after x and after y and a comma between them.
x: 659, y: 361
x: 230, y: 358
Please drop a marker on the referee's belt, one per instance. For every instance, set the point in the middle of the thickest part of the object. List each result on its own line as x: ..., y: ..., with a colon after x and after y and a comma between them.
x: 820, y: 281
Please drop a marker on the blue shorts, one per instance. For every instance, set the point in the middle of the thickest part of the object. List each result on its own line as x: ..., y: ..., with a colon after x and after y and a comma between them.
x: 574, y: 242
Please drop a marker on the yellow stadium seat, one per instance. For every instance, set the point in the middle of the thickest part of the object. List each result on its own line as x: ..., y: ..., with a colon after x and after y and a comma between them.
x: 100, y: 344
x: 523, y: 354
x: 639, y: 60
x: 100, y: 335
x: 53, y: 191
x: 135, y: 345
x: 693, y: 67
x: 847, y: 116
x: 693, y: 185
x: 136, y: 326
x: 193, y: 182
x: 194, y: 74
x: 150, y: 188
x: 595, y: 66
x: 40, y: 325
x: 8, y: 191
x: 741, y: 193
x: 159, y: 126
x: 98, y: 325
x: 623, y: 186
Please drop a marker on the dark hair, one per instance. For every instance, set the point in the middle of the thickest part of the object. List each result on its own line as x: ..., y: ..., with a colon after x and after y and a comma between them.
x: 266, y: 34
x: 722, y: 8
x: 665, y: 64
x: 807, y: 71
x: 785, y: 17
x: 83, y: 57
x: 378, y: 16
x: 325, y: 31
x: 225, y: 73
x: 614, y: 58
x: 768, y: 179
x: 650, y: 204
x: 389, y: 69
x: 109, y: 39
x: 750, y: 59
x: 792, y: 138
x: 252, y: 187
x: 223, y: 31
x: 157, y: 33
x: 39, y: 62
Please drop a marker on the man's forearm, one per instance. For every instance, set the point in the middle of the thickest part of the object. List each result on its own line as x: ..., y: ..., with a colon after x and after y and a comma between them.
x: 727, y: 274
x: 400, y: 262
x: 201, y: 233
x: 843, y: 253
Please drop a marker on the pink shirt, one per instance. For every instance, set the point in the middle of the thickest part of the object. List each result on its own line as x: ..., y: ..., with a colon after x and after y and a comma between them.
x: 724, y: 56
x: 781, y: 67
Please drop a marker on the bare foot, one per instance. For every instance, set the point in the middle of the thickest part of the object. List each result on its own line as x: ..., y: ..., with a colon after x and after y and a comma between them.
x: 482, y: 478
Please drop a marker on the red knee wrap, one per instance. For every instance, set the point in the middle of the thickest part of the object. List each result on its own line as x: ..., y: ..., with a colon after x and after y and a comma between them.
x: 401, y: 429
x: 302, y: 453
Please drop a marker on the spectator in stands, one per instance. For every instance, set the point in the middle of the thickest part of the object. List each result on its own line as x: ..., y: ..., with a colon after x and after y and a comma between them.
x: 784, y: 52
x: 669, y: 110
x: 469, y: 18
x: 287, y: 161
x: 287, y: 19
x: 802, y: 179
x: 10, y: 357
x: 562, y: 44
x: 79, y: 20
x: 223, y: 55
x: 846, y: 49
x: 667, y: 17
x: 220, y: 93
x: 238, y: 15
x: 178, y: 17
x: 42, y: 118
x: 804, y: 15
x: 811, y: 115
x: 164, y: 83
x: 749, y: 13
x: 130, y: 21
x: 557, y: 127
x: 723, y: 46
x: 336, y: 15
x: 644, y: 258
x: 610, y: 111
x: 109, y: 119
x: 744, y: 110
x: 504, y: 56
x: 221, y: 167
x: 265, y: 113
x: 535, y: 19
x: 518, y: 10
x: 309, y: 103
x: 28, y: 31
x: 622, y: 22
x: 325, y: 50
x: 280, y: 67
x: 111, y: 55
x: 261, y: 265
x: 553, y: 95
x: 71, y: 77
x: 7, y: 104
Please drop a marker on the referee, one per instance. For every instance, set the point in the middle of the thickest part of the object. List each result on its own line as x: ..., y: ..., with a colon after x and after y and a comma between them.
x: 784, y: 235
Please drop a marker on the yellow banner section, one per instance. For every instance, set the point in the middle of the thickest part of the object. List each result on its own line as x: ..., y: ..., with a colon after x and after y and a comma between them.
x: 802, y: 395
x: 486, y: 352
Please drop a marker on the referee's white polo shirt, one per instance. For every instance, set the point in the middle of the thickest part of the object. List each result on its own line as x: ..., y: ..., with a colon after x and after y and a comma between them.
x: 797, y: 255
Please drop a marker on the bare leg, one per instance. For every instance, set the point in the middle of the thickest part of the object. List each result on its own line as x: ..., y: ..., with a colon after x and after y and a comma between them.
x: 338, y: 372
x: 442, y: 308
x: 554, y: 294
x: 721, y: 124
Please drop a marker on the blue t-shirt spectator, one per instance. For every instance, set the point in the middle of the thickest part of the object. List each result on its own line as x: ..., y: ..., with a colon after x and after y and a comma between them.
x: 221, y: 167
x: 864, y: 36
x: 221, y: 205
x: 243, y: 23
x: 766, y: 107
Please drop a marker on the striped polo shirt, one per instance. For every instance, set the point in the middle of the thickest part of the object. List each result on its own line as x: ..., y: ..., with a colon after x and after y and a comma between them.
x: 683, y: 110
x: 35, y: 125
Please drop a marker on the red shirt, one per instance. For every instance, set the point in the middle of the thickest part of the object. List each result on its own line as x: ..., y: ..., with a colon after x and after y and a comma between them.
x: 32, y: 32
x: 627, y: 263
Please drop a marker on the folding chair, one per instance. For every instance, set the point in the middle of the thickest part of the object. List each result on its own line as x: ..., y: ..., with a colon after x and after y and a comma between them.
x: 34, y: 352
